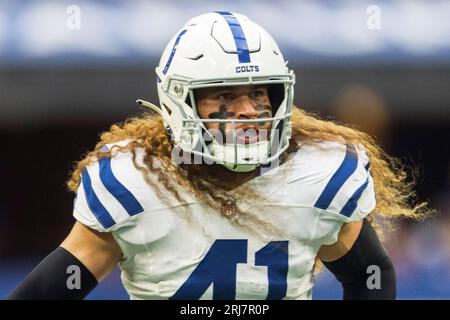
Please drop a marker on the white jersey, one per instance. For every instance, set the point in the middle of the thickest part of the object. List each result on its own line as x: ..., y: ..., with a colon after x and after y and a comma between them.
x: 187, y: 251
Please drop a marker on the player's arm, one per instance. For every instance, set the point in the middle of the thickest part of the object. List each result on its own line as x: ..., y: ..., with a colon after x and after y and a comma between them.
x: 86, y: 253
x: 357, y: 248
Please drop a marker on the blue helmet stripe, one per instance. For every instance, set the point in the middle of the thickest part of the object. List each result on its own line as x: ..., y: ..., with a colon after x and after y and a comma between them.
x: 346, y: 169
x: 174, y: 49
x: 238, y: 35
x: 94, y: 203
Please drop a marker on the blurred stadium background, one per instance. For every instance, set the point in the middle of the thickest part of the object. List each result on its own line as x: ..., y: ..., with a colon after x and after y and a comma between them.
x: 64, y: 80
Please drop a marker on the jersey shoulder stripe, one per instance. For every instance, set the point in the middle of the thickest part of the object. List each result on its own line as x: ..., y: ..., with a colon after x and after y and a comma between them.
x: 108, y: 200
x: 354, y: 196
x: 345, y: 170
x: 94, y: 204
x: 114, y: 191
x: 351, y: 204
x: 117, y: 189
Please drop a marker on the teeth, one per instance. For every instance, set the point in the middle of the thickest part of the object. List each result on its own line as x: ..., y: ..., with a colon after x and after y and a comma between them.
x: 250, y: 133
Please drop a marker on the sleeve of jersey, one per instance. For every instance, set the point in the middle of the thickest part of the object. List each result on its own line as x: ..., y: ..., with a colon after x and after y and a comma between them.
x: 349, y: 194
x: 111, y: 192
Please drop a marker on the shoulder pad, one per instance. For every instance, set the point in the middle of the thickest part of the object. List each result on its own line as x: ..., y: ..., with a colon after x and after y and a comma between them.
x: 112, y: 191
x: 349, y: 190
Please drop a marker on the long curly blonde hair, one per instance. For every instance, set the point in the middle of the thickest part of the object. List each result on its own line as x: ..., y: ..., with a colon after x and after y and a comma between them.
x: 393, y: 183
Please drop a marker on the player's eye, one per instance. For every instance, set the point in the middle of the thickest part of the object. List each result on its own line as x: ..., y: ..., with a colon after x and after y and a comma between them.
x: 225, y: 96
x: 256, y: 94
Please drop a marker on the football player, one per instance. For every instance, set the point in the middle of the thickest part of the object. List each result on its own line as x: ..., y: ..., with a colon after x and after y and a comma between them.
x: 227, y: 190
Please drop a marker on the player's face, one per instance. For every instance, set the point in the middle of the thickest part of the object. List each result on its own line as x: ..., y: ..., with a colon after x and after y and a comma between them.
x: 239, y: 102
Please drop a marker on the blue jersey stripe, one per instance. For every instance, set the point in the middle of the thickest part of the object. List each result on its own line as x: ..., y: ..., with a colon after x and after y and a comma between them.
x: 174, y: 49
x: 117, y: 189
x: 350, y: 206
x: 94, y: 204
x: 238, y: 35
x: 345, y: 170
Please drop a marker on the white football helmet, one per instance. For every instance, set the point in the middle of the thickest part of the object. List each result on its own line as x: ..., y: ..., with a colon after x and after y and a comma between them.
x: 224, y: 49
